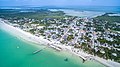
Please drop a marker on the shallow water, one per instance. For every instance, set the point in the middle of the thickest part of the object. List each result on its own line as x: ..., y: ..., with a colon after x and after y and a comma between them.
x: 15, y: 52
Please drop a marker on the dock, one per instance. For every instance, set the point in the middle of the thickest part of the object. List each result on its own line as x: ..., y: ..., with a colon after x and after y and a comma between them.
x: 55, y: 47
x: 82, y: 57
x: 37, y: 51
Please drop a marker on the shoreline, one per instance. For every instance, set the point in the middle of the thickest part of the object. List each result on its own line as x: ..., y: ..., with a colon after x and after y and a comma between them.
x: 40, y: 40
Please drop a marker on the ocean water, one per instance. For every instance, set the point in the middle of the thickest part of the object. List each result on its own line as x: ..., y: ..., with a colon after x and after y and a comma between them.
x: 15, y: 52
x: 107, y: 9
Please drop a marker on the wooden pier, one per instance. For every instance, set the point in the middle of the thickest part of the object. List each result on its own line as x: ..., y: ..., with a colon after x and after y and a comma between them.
x: 55, y: 47
x: 37, y: 51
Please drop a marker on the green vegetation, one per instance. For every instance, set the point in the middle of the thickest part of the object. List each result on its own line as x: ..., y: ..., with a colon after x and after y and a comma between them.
x: 70, y: 37
x: 102, y: 40
x: 106, y: 21
x: 110, y: 19
x: 36, y: 14
x: 32, y: 31
x: 34, y: 23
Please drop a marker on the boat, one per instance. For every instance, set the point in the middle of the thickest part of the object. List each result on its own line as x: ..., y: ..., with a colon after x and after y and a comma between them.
x: 66, y: 59
x: 17, y: 47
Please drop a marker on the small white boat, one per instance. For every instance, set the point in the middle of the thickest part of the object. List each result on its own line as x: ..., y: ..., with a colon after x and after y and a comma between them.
x: 17, y: 47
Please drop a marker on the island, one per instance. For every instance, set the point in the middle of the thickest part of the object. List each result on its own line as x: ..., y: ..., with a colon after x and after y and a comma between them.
x: 90, y: 38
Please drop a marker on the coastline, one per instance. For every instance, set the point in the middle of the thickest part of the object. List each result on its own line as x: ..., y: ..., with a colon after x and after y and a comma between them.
x: 41, y: 40
x: 23, y: 34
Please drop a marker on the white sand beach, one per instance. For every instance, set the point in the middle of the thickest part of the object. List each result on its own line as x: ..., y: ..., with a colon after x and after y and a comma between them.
x: 40, y: 40
x: 23, y: 34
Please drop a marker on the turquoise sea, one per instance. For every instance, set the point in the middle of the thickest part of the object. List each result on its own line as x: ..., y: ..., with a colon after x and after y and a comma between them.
x: 15, y: 52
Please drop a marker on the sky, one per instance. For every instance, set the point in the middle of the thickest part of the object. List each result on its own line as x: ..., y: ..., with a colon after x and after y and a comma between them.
x: 60, y: 2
